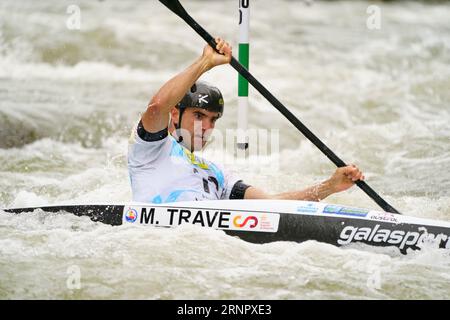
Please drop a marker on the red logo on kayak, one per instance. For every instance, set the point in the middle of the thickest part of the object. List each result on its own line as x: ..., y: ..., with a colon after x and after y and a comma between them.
x: 253, y: 224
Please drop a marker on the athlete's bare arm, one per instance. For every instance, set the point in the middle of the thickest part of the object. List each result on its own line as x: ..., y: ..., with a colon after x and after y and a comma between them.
x: 342, y: 179
x: 156, y: 117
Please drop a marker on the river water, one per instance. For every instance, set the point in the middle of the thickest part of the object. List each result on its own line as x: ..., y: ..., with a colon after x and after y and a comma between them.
x: 70, y: 93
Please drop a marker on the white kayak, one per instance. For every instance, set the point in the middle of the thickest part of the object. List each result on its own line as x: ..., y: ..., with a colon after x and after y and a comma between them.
x: 262, y: 221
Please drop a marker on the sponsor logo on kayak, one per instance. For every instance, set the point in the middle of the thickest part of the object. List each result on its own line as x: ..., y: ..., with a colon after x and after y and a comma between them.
x: 384, y: 216
x: 310, y: 208
x: 253, y: 223
x: 131, y: 215
x: 218, y: 219
x: 348, y: 211
x: 399, y: 238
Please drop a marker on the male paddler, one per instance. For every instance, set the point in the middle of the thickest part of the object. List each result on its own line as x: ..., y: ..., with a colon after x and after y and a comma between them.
x: 176, y: 123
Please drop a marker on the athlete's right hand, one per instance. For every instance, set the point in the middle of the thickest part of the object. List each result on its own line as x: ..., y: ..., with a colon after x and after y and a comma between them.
x: 215, y: 59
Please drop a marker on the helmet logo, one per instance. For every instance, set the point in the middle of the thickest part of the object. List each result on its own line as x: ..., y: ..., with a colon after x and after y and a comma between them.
x: 202, y: 98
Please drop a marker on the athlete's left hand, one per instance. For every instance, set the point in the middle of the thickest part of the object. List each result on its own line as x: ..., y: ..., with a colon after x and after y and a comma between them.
x: 345, y: 177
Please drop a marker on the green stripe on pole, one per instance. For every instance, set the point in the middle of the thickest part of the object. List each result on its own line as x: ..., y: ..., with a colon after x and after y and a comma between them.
x: 244, y: 49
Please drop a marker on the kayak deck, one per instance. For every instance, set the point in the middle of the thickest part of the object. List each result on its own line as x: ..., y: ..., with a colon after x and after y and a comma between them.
x: 263, y: 221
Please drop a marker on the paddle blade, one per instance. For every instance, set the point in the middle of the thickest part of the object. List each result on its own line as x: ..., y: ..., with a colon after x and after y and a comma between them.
x: 176, y: 7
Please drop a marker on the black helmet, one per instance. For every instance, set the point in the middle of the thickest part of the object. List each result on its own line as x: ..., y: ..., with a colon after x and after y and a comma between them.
x: 202, y: 95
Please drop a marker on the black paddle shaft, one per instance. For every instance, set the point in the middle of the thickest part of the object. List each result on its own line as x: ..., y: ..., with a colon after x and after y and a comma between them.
x: 177, y: 8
